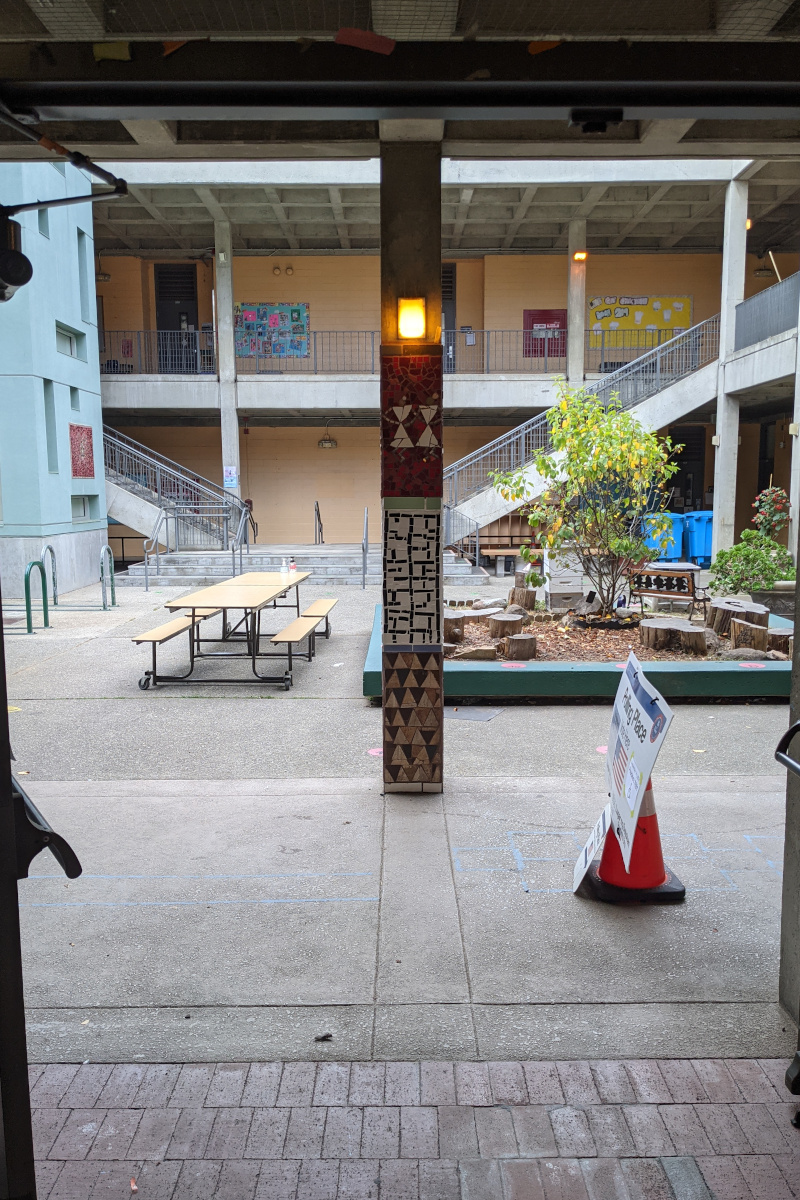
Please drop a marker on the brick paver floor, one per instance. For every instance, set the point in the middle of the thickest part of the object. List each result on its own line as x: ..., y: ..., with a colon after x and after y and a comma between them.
x: 636, y: 1130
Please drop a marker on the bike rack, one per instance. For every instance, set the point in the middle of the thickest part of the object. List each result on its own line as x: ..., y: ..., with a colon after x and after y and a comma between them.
x: 107, y: 553
x: 48, y: 549
x: 28, y: 609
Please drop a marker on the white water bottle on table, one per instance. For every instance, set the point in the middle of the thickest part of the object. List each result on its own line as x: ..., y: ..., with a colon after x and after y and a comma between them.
x: 284, y: 568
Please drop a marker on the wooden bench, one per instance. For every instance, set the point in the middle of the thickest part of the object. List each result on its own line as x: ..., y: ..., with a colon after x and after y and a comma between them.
x: 164, y: 633
x: 676, y: 581
x: 322, y: 608
x: 297, y: 632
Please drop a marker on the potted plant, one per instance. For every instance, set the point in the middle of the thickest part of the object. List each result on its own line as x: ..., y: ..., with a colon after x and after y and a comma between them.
x: 757, y: 565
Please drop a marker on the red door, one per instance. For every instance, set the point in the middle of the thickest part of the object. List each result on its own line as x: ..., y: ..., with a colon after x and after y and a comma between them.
x: 544, y: 325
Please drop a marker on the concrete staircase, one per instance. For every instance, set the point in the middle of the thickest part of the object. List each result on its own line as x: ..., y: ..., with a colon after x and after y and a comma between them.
x: 336, y: 565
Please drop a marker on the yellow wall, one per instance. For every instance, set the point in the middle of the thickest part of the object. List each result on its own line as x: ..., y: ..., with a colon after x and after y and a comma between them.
x: 491, y: 292
x: 283, y: 472
x: 342, y: 293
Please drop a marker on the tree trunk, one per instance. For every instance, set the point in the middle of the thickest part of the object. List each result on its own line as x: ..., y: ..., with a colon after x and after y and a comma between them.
x: 520, y: 646
x: 454, y: 628
x: 693, y: 641
x: 502, y: 626
x: 721, y: 612
x: 525, y: 597
x: 480, y: 616
x: 752, y: 637
x: 778, y: 639
x: 664, y: 633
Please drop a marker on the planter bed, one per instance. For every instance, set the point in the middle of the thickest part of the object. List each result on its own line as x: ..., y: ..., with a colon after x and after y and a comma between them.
x: 547, y: 678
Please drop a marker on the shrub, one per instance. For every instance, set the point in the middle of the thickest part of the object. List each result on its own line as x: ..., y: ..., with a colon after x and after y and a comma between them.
x: 772, y: 511
x: 753, y: 565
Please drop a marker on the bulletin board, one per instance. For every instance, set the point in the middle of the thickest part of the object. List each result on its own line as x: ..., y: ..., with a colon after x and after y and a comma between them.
x: 274, y: 330
x: 612, y: 313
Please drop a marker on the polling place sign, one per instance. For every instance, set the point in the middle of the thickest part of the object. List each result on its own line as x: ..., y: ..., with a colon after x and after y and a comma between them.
x: 639, y: 724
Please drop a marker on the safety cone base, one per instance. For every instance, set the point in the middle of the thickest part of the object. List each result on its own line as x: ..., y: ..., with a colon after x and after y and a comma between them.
x: 671, y: 891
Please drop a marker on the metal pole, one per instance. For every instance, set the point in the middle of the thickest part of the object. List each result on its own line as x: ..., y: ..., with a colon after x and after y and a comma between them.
x: 17, y: 1177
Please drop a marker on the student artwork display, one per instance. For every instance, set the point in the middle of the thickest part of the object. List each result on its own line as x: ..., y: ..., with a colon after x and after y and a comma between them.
x: 608, y: 314
x: 273, y: 330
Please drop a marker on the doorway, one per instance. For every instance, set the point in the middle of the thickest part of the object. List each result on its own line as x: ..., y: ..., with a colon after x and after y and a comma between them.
x: 176, y: 317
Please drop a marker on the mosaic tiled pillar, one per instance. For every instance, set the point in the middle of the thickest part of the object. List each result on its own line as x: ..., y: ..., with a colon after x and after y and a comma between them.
x: 411, y: 473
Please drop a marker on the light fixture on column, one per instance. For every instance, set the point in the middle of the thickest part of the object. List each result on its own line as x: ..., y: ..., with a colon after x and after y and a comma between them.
x: 411, y: 317
x: 327, y: 442
x: 290, y: 270
x: 580, y: 256
x: 276, y: 270
x: 748, y: 223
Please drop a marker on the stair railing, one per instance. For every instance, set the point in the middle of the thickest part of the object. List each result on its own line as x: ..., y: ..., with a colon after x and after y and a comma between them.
x: 319, y: 539
x: 152, y: 545
x: 241, y: 538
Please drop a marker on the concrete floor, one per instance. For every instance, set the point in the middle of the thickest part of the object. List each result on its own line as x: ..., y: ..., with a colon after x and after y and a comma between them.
x: 244, y: 871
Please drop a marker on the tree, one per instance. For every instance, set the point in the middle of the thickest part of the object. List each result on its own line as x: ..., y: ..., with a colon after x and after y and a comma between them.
x: 603, y: 490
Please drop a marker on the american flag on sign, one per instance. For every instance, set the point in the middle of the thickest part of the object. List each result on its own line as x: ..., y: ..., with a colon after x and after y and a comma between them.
x: 619, y: 767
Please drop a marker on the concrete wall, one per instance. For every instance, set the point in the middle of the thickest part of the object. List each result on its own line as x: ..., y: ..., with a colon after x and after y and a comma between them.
x: 36, y: 473
x: 283, y: 471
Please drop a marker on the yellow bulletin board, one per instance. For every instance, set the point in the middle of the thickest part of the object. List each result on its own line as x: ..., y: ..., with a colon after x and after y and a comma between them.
x: 629, y: 312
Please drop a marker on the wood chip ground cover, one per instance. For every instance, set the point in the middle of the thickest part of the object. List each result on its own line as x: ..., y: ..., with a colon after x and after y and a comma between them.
x: 579, y: 645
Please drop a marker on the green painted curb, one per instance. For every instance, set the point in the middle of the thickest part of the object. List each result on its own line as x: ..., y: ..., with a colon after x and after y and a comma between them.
x: 552, y: 680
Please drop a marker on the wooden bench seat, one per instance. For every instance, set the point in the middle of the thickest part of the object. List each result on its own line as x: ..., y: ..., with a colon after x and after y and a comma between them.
x: 297, y: 632
x: 163, y: 633
x: 322, y: 608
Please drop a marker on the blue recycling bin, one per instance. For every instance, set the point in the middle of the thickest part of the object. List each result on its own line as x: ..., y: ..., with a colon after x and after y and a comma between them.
x: 697, y: 527
x: 673, y: 552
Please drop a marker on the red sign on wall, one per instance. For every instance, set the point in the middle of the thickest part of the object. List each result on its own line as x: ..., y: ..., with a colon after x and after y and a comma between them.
x: 81, y: 451
x: 545, y: 332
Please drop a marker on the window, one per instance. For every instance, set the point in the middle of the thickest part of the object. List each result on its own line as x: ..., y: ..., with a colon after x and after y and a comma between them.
x: 50, y: 431
x: 43, y: 217
x: 80, y: 508
x: 83, y: 275
x: 69, y: 341
x: 75, y: 399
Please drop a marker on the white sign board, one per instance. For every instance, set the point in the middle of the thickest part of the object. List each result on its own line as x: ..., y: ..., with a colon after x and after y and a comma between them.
x: 590, y: 849
x: 230, y: 477
x: 639, y: 724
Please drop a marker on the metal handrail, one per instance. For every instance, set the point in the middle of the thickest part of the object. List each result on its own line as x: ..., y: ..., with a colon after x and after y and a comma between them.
x: 462, y: 533
x: 319, y: 539
x: 682, y: 355
x: 242, y: 537
x: 153, y: 544
x: 365, y: 550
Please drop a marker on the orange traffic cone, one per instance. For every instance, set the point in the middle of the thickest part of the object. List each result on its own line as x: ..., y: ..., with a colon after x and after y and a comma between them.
x: 648, y: 881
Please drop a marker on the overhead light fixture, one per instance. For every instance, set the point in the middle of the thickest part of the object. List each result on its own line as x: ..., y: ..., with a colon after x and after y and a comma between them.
x: 327, y: 442
x: 411, y: 317
x: 580, y: 256
x: 100, y: 275
x: 764, y: 273
x: 276, y: 270
x: 290, y: 270
x: 748, y: 223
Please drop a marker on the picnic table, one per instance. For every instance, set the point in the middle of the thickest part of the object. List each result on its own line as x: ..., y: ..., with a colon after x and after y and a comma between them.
x: 251, y: 594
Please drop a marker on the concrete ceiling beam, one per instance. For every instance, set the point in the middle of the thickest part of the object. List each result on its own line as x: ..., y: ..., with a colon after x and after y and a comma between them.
x: 274, y: 199
x: 153, y: 133
x: 461, y: 214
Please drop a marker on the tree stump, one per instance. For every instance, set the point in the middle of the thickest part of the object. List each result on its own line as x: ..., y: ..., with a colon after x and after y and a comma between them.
x: 664, y: 633
x: 520, y: 646
x: 694, y: 641
x: 721, y: 612
x: 778, y: 639
x: 504, y: 626
x: 525, y: 597
x: 454, y: 628
x: 480, y: 615
x: 745, y: 635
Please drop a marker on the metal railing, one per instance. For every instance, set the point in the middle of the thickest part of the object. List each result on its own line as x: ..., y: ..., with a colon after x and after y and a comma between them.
x: 461, y: 534
x: 242, y: 538
x: 365, y: 550
x: 357, y: 352
x: 158, y: 352
x: 650, y: 373
x: 152, y: 545
x: 326, y: 352
x: 682, y: 355
x: 203, y: 511
x: 319, y: 537
x: 772, y: 311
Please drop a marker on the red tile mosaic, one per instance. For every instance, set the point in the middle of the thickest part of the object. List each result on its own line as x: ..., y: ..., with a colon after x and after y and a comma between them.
x: 81, y: 449
x: 411, y: 425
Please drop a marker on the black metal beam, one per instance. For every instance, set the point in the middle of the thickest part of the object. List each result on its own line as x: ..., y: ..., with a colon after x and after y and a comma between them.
x: 329, y: 83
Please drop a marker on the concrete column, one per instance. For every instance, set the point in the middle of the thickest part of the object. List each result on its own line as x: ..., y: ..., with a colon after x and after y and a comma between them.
x: 726, y: 455
x: 226, y: 355
x: 576, y: 304
x: 734, y: 257
x: 411, y: 467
